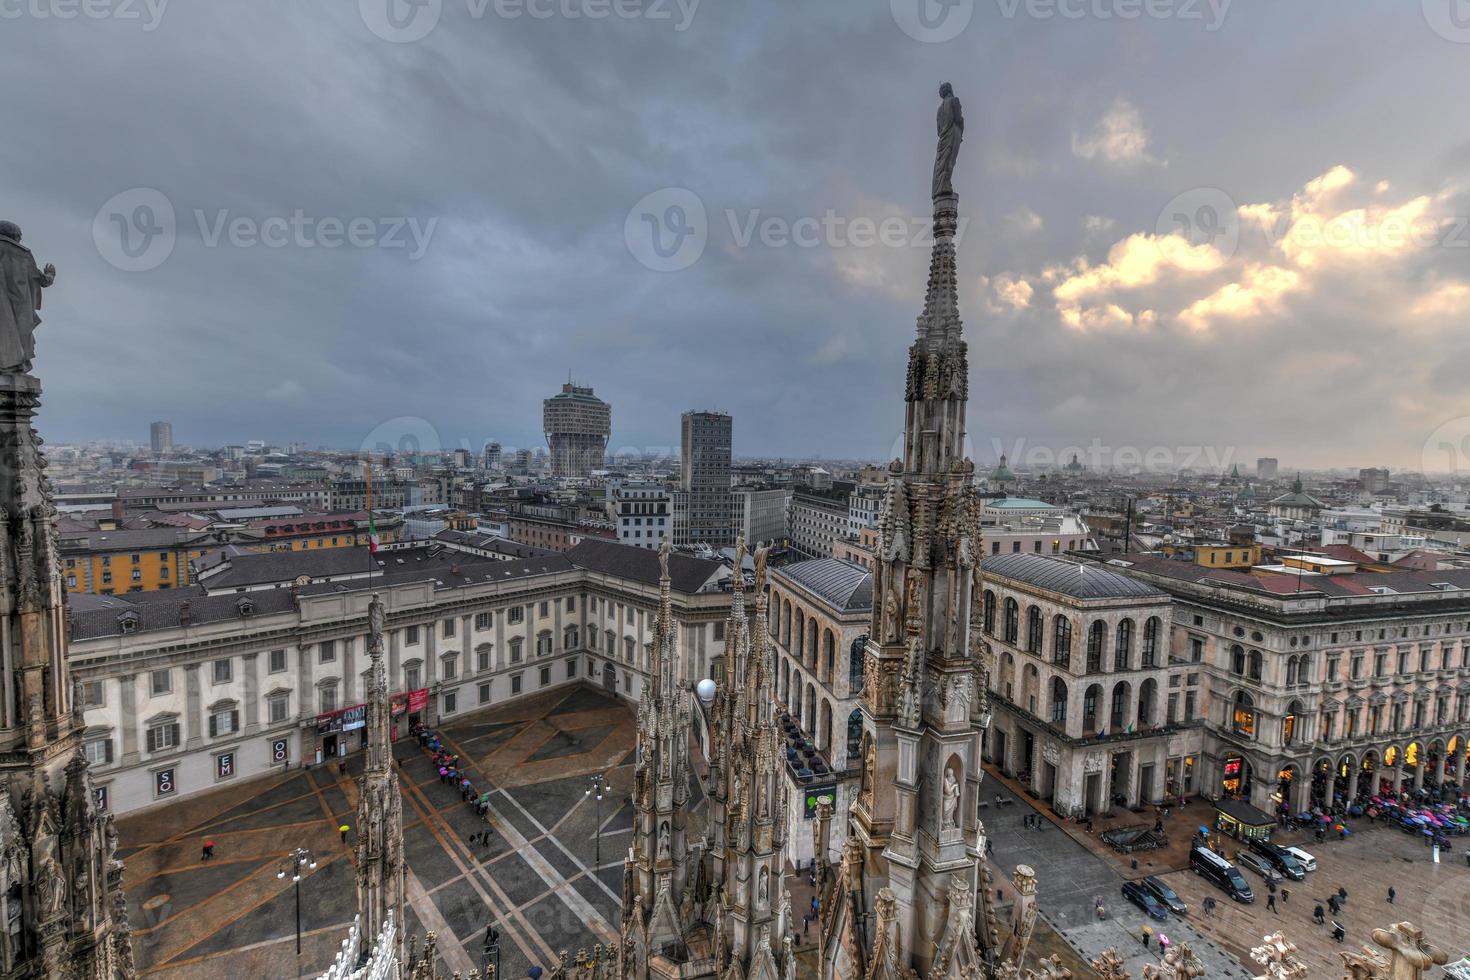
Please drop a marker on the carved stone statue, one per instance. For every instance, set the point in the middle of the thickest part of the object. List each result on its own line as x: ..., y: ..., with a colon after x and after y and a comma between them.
x: 951, y: 803
x: 763, y: 888
x: 21, y: 283
x: 951, y: 133
x: 52, y: 888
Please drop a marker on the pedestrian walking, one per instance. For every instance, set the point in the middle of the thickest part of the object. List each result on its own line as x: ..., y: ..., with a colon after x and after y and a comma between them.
x: 1285, y: 894
x: 1390, y: 894
x: 207, y: 851
x: 1146, y: 935
x: 1341, y: 895
x: 343, y: 831
x: 1210, y: 907
x: 1318, y: 915
x: 1338, y: 932
x: 1271, y: 903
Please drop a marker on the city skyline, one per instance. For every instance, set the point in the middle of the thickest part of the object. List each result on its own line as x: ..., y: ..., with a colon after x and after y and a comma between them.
x: 1094, y: 142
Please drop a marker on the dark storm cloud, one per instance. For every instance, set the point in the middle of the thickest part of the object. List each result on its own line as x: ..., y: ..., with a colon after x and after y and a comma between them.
x: 516, y: 146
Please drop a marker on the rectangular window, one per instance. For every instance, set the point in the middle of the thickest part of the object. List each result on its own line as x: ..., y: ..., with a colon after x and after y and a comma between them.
x: 448, y: 628
x: 482, y: 659
x: 484, y: 693
x: 571, y: 668
x: 328, y: 698
x: 483, y: 621
x: 411, y: 678
x: 451, y: 699
x: 544, y: 609
x: 160, y: 681
x: 410, y: 636
x: 719, y: 631
x: 545, y: 676
x: 98, y: 751
x: 222, y: 671
x: 515, y: 684
x: 225, y: 722
x: 327, y: 651
x: 451, y: 667
x: 163, y: 737
x: 277, y: 661
x: 92, y: 696
x: 515, y: 650
x: 278, y: 707
x: 516, y: 614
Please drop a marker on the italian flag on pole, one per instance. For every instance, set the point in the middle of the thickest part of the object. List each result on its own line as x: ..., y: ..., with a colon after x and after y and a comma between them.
x: 372, y: 535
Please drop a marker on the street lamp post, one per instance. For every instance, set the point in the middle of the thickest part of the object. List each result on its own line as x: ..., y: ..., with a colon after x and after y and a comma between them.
x: 492, y: 949
x: 595, y: 791
x: 297, y: 863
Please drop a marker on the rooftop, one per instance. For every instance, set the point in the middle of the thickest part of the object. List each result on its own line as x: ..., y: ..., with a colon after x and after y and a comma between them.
x: 1082, y: 580
x: 845, y: 585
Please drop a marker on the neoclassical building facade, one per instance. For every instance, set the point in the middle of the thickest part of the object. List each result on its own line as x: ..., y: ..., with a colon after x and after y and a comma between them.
x: 819, y: 612
x: 1091, y: 708
x: 185, y: 691
x: 1324, y: 687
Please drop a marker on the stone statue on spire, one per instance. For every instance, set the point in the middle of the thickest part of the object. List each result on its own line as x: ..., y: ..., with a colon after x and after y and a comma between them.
x: 951, y: 124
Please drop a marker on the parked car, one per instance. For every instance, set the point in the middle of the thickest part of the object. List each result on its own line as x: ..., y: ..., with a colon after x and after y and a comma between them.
x: 1136, y: 893
x: 1221, y: 873
x: 1306, y: 860
x: 1167, y: 896
x: 1275, y: 855
x: 1254, y: 862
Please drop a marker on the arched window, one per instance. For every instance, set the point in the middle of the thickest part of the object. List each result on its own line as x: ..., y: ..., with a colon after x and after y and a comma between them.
x: 1151, y: 642
x: 1058, y: 701
x: 1120, y: 706
x: 1012, y: 620
x: 1089, y: 708
x: 1254, y: 669
x: 1243, y: 715
x: 989, y: 612
x: 1123, y: 651
x: 1237, y: 659
x: 1147, y: 696
x: 1290, y: 671
x: 1289, y: 723
x: 1095, y: 634
x: 1304, y: 670
x: 1061, y: 641
x: 1033, y: 630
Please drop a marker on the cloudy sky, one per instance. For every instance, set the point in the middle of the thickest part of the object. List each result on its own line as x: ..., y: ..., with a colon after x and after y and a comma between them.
x: 1233, y: 226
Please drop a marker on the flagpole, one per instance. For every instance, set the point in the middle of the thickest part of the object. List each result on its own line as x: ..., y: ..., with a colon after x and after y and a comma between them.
x: 372, y: 531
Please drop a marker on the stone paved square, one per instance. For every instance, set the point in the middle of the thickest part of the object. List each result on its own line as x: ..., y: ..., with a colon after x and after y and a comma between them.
x: 231, y: 916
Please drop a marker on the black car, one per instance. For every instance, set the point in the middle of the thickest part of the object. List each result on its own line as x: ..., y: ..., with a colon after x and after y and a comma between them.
x: 1166, y: 896
x: 1285, y: 864
x: 1136, y: 893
